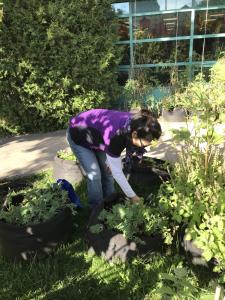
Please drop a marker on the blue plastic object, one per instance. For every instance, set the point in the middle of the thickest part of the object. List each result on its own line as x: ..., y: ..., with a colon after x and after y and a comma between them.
x: 67, y: 186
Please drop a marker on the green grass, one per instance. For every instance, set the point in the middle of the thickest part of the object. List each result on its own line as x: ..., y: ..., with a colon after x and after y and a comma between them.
x: 71, y: 273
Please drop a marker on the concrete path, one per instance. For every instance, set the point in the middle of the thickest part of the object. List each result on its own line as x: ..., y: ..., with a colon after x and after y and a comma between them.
x: 28, y: 154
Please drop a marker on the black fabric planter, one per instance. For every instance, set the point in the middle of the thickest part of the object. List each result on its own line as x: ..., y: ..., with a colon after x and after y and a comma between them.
x: 23, y: 242
x: 67, y: 169
x: 192, y: 253
x: 148, y: 172
x: 111, y: 244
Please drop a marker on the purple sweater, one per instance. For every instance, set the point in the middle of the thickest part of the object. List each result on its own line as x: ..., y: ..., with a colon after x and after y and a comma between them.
x: 101, y: 129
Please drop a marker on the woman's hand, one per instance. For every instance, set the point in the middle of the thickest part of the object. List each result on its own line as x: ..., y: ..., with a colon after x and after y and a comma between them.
x: 135, y: 199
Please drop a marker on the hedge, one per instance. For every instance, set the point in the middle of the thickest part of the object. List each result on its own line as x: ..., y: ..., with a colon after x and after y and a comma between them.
x: 57, y: 58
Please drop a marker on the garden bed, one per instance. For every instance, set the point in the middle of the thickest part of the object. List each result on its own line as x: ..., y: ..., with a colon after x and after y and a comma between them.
x: 26, y: 230
x: 112, y: 244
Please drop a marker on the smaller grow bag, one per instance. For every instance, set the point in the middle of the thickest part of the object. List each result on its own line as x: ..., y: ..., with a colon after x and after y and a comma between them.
x: 111, y: 244
x: 23, y: 242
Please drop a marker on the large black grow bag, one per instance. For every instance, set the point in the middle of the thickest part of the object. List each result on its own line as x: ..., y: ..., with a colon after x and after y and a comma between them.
x: 191, y: 251
x: 111, y: 244
x: 24, y: 242
x: 149, y: 171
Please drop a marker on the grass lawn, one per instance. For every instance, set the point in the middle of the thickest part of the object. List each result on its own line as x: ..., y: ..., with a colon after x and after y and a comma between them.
x: 70, y: 273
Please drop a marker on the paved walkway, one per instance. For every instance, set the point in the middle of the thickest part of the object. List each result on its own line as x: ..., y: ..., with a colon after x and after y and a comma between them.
x: 28, y: 154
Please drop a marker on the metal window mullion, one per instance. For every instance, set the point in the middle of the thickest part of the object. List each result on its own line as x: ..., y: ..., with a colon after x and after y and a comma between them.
x: 210, y: 8
x: 179, y: 38
x: 197, y: 63
x: 215, y: 35
x: 191, y: 43
x: 131, y: 38
x: 165, y: 39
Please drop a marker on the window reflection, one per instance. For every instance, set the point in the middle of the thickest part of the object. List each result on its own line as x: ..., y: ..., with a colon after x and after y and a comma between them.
x: 205, y: 71
x: 203, y: 3
x: 154, y: 5
x: 162, y: 25
x: 212, y: 49
x: 213, y: 22
x: 153, y: 76
x: 181, y: 4
x: 162, y: 76
x: 123, y: 29
x: 161, y: 52
x: 121, y: 8
x: 125, y: 54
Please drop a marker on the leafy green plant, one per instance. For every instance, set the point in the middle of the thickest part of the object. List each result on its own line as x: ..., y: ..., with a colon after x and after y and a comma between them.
x: 133, y: 220
x: 195, y: 195
x: 66, y: 155
x: 38, y: 205
x: 177, y: 284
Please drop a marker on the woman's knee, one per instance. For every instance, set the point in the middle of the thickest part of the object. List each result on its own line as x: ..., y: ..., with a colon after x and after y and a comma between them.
x: 94, y: 175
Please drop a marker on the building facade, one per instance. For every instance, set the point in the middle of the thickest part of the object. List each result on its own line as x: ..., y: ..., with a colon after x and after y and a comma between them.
x: 158, y: 36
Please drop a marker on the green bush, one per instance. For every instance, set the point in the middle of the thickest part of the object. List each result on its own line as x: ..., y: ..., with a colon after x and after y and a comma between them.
x: 195, y: 195
x: 57, y: 58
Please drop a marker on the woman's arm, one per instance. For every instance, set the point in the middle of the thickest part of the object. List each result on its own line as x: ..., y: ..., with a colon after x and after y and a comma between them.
x: 115, y: 165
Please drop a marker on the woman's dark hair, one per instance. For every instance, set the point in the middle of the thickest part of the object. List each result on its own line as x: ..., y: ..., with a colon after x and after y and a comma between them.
x: 145, y: 125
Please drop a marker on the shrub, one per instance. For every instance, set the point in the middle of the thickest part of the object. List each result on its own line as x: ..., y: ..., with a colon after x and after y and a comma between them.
x: 57, y: 58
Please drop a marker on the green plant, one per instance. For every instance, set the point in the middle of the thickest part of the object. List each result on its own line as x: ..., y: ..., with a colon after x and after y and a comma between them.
x: 66, y: 155
x: 177, y: 284
x: 57, y: 59
x: 195, y: 195
x: 87, y: 276
x: 133, y: 220
x: 38, y: 205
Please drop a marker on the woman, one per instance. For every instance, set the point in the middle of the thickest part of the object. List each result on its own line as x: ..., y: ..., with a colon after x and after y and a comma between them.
x: 98, y: 136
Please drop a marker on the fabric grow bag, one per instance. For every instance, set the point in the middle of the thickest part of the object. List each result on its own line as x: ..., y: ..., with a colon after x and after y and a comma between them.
x: 148, y: 172
x: 67, y: 169
x: 111, y: 244
x: 23, y: 242
x: 191, y: 251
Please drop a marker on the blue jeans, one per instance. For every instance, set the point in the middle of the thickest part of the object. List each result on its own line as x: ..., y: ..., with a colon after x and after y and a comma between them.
x: 100, y: 182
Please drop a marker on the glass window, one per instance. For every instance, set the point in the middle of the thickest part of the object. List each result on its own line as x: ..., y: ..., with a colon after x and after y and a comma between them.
x: 125, y: 54
x: 165, y: 25
x: 161, y: 52
x: 153, y: 76
x: 205, y: 71
x: 154, y: 5
x: 121, y: 8
x: 181, y: 4
x: 122, y: 77
x: 123, y: 29
x: 215, y: 22
x: 162, y: 76
x: 203, y: 3
x: 213, y: 48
